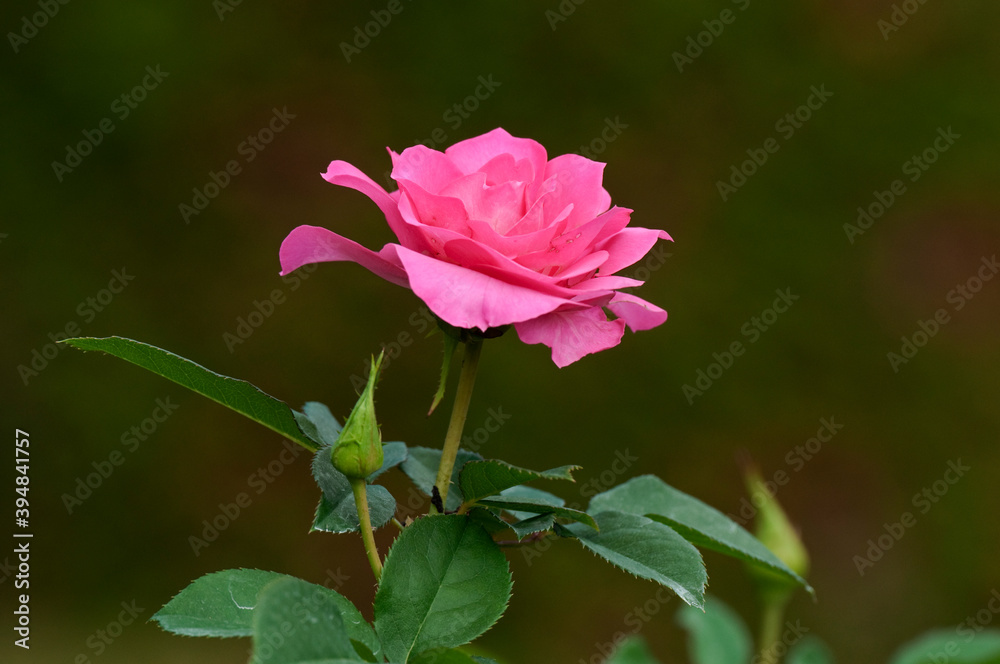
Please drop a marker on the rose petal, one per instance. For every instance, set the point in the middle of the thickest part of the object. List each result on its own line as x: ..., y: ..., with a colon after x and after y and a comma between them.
x: 428, y: 168
x: 572, y: 334
x: 617, y: 218
x: 636, y: 312
x: 565, y: 249
x: 469, y: 299
x: 311, y: 244
x: 608, y: 283
x: 472, y: 154
x: 501, y: 206
x: 480, y: 258
x: 345, y: 175
x: 628, y: 246
x: 435, y: 210
x: 504, y: 168
x: 512, y: 246
x: 578, y: 181
x: 588, y: 263
x: 425, y: 239
x: 546, y: 211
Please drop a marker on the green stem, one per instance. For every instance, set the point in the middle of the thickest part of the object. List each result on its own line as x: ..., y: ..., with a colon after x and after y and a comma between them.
x: 360, y: 488
x: 459, y: 411
x: 771, y: 623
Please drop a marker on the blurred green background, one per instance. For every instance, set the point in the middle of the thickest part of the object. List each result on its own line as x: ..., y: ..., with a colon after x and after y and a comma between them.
x: 564, y: 72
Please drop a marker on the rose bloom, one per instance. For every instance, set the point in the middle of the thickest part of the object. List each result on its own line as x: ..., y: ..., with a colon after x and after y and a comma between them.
x: 492, y: 232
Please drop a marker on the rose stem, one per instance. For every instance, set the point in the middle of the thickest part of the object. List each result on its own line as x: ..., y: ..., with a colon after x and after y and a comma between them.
x: 459, y: 411
x: 360, y: 488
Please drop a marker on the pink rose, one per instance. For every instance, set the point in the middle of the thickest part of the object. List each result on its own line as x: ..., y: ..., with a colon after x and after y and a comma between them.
x: 492, y: 232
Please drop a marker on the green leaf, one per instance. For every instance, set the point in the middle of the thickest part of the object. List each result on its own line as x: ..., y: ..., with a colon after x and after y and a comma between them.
x: 218, y: 604
x: 421, y: 467
x: 489, y: 519
x: 947, y: 645
x: 297, y: 622
x: 648, y: 549
x: 480, y: 479
x: 536, y: 524
x: 393, y: 454
x: 700, y: 524
x: 447, y: 656
x: 444, y: 583
x: 716, y: 635
x: 238, y: 395
x: 222, y: 604
x: 633, y: 650
x: 531, y: 495
x: 337, y: 511
x: 538, y: 507
x: 809, y: 650
x: 327, y: 427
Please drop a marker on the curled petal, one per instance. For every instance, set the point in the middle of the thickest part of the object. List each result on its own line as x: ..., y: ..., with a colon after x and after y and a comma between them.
x: 628, y: 246
x: 572, y: 334
x: 637, y: 313
x: 345, y: 175
x: 311, y: 244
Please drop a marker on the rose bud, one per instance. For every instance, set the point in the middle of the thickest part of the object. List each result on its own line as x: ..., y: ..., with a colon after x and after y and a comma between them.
x: 358, y: 452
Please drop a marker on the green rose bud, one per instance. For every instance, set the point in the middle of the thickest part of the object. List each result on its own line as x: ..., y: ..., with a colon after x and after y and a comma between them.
x: 358, y: 452
x: 778, y: 534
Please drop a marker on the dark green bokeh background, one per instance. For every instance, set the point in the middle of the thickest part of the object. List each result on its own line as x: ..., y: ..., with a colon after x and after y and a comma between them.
x: 783, y: 229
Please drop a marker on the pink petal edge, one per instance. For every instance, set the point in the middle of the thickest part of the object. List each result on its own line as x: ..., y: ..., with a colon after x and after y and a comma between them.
x: 312, y: 244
